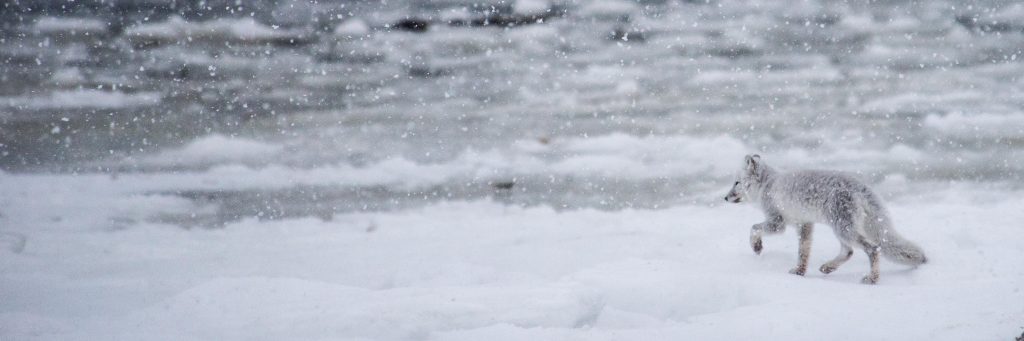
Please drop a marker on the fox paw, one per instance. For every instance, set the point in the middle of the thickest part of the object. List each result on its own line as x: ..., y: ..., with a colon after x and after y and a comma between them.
x: 799, y: 271
x: 755, y: 239
x: 869, y: 279
x: 827, y: 268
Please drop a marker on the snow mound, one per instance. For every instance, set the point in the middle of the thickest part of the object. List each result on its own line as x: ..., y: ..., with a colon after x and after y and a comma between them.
x: 456, y: 14
x: 70, y: 25
x: 921, y: 103
x: 352, y: 28
x: 83, y: 98
x: 246, y: 30
x: 239, y: 163
x: 214, y: 149
x: 531, y: 7
x: 67, y: 77
x: 608, y: 9
x: 719, y: 77
x: 963, y: 125
x: 1010, y: 14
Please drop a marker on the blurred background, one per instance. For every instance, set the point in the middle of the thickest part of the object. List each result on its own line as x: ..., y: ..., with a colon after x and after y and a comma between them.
x: 272, y: 109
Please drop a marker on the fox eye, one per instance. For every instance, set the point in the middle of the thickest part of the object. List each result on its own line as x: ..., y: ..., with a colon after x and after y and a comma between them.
x: 737, y: 183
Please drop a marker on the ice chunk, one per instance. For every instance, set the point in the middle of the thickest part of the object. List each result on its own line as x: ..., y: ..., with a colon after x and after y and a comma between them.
x: 977, y: 125
x: 67, y: 77
x: 83, y: 98
x: 531, y: 7
x: 53, y: 25
x: 352, y: 28
x: 246, y: 30
x: 609, y: 9
x: 215, y: 148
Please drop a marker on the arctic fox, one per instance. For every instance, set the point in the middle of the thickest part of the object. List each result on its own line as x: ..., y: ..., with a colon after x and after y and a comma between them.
x: 805, y: 197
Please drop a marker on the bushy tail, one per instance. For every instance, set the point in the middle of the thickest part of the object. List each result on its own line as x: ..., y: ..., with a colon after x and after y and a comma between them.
x: 902, y: 251
x: 894, y: 247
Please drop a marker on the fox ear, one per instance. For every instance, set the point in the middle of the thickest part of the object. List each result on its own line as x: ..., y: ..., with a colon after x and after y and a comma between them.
x: 753, y: 162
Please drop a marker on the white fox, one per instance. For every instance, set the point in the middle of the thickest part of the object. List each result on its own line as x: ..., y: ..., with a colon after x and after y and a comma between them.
x: 803, y: 198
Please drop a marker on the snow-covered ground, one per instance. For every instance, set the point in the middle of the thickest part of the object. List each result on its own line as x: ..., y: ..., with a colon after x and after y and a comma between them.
x: 81, y: 264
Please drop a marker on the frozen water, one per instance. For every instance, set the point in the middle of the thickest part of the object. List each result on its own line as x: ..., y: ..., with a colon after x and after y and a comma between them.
x: 230, y: 30
x: 352, y: 28
x: 58, y: 25
x: 525, y: 169
x: 80, y: 98
x: 531, y: 7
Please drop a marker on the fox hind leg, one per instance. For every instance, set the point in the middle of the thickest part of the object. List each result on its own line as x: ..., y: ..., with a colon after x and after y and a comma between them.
x: 845, y: 226
x: 873, y: 251
x: 845, y: 252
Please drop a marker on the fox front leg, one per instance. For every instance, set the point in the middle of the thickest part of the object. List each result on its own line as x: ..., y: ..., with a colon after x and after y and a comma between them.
x: 773, y: 225
x: 755, y: 238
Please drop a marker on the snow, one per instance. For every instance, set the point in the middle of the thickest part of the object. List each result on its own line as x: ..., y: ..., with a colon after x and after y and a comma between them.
x: 83, y: 98
x: 531, y: 7
x: 456, y: 14
x: 239, y: 163
x: 72, y: 25
x: 219, y: 163
x: 352, y: 27
x: 12, y: 242
x: 720, y: 77
x: 920, y: 103
x: 608, y: 9
x: 215, y: 149
x: 68, y: 77
x: 1013, y: 14
x: 487, y: 270
x: 959, y: 124
x: 226, y: 29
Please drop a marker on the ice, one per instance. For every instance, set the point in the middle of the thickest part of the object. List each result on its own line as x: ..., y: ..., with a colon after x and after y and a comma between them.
x: 215, y: 149
x: 83, y: 98
x: 608, y: 9
x: 70, y: 25
x: 1012, y: 14
x: 352, y: 28
x: 68, y: 77
x: 456, y: 14
x: 239, y: 163
x: 718, y: 77
x: 239, y: 30
x: 977, y: 125
x: 531, y: 7
x: 917, y: 103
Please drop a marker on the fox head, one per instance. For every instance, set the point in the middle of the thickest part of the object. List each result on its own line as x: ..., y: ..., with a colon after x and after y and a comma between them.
x: 748, y: 184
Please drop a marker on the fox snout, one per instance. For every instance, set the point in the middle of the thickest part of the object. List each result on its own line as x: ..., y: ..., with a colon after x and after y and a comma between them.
x: 734, y: 195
